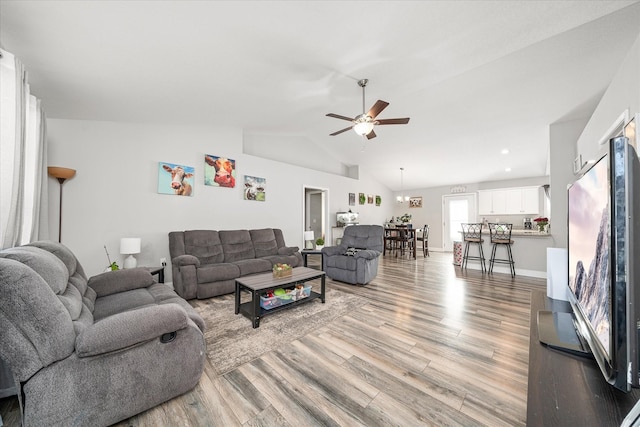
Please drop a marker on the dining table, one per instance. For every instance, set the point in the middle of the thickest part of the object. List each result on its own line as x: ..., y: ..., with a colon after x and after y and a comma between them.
x: 400, y: 238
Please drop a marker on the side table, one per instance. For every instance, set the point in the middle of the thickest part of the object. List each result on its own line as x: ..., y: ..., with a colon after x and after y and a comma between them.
x: 306, y: 252
x: 157, y: 270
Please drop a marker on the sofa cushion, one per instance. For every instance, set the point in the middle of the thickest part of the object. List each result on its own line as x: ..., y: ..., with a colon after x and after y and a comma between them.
x: 204, y: 245
x: 237, y: 245
x: 264, y: 242
x: 343, y: 262
x: 215, y: 272
x: 253, y: 266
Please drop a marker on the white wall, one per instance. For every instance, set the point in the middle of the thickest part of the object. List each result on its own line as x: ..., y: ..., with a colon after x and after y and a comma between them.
x: 623, y: 93
x: 562, y: 137
x: 114, y: 193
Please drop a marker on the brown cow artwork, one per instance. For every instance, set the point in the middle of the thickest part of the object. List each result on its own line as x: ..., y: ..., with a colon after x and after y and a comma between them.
x: 175, y: 179
x: 219, y: 171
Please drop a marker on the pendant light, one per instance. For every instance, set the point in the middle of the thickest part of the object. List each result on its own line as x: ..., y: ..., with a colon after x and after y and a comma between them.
x: 402, y: 198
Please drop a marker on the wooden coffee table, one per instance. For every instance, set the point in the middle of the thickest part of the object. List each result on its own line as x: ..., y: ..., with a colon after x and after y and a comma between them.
x: 259, y: 284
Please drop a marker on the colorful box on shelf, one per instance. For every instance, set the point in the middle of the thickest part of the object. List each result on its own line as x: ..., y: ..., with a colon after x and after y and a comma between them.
x: 290, y: 296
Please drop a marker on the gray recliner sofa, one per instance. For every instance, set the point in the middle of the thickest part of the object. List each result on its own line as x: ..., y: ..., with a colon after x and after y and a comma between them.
x: 206, y: 263
x: 355, y: 260
x: 92, y: 352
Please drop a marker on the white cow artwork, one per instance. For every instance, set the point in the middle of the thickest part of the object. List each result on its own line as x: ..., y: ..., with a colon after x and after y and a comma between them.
x: 255, y: 188
x: 175, y: 179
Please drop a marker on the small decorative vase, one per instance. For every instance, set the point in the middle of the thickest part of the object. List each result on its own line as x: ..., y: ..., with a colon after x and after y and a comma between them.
x: 542, y: 227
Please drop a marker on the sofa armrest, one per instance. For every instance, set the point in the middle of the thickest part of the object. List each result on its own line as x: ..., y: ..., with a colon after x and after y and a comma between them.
x: 367, y: 254
x: 182, y: 260
x: 288, y: 250
x: 333, y: 250
x: 113, y: 282
x: 129, y: 328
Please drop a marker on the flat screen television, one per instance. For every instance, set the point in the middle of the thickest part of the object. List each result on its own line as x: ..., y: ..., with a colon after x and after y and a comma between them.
x: 604, y: 269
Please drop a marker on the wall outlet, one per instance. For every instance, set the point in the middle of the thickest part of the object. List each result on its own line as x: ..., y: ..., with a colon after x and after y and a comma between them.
x: 163, y: 262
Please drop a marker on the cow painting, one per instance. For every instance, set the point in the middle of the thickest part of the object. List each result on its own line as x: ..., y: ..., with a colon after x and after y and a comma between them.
x: 223, y: 172
x: 175, y: 179
x: 255, y: 188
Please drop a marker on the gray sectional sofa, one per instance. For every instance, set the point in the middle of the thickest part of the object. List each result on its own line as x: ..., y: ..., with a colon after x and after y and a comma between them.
x: 92, y: 352
x: 206, y: 263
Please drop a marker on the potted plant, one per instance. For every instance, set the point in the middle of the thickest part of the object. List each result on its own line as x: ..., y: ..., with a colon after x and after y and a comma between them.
x: 319, y: 243
x: 405, y: 218
x: 542, y: 223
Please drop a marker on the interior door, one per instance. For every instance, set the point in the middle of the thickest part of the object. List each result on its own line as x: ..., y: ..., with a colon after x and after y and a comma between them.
x: 457, y: 209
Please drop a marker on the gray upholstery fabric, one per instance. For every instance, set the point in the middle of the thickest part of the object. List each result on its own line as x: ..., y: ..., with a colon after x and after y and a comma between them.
x: 237, y: 245
x: 91, y: 358
x: 361, y: 267
x: 200, y: 270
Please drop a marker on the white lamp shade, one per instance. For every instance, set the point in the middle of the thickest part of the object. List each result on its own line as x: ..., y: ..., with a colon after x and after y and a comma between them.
x: 308, y: 235
x: 130, y: 245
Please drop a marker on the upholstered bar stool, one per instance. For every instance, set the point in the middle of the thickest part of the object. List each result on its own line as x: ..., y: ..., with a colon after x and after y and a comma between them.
x: 501, y: 235
x: 472, y: 235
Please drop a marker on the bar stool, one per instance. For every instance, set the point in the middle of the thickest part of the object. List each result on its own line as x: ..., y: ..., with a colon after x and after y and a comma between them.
x: 501, y: 235
x: 472, y: 234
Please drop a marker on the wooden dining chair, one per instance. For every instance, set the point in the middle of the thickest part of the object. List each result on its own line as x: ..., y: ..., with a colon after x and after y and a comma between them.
x: 424, y: 238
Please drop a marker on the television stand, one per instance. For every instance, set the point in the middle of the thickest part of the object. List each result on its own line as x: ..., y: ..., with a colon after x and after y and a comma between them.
x: 565, y: 389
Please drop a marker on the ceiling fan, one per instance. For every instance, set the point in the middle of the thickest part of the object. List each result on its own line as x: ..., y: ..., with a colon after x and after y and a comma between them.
x: 363, y: 123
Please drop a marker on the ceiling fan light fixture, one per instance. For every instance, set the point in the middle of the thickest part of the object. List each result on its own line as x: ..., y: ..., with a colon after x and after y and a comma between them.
x: 363, y: 128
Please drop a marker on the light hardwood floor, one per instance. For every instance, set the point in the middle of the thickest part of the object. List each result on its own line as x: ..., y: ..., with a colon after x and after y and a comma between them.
x: 434, y: 346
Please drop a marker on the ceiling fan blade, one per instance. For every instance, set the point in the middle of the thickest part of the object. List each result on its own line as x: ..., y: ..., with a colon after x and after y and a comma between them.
x: 371, y: 135
x: 377, y: 108
x: 338, y: 116
x: 393, y: 121
x: 340, y: 131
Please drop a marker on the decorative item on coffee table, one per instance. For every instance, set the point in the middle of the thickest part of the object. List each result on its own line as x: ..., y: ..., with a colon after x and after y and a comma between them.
x: 282, y: 270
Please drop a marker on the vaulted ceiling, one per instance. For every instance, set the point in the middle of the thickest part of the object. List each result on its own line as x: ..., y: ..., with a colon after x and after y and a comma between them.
x: 476, y: 77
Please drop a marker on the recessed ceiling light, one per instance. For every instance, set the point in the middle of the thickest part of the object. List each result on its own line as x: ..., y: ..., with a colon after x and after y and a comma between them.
x: 507, y: 170
x: 591, y: 161
x: 505, y: 151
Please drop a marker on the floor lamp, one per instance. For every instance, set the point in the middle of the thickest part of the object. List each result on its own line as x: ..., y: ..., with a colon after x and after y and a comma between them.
x: 61, y: 174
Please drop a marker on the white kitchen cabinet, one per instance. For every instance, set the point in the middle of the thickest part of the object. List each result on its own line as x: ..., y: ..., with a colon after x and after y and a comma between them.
x: 509, y: 201
x: 531, y: 200
x: 485, y: 202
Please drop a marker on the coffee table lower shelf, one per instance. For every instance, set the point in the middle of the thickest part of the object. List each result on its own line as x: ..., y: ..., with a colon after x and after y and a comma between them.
x: 258, y: 284
x: 247, y: 308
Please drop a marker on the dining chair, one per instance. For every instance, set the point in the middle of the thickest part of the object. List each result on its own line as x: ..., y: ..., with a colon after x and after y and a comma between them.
x: 424, y: 238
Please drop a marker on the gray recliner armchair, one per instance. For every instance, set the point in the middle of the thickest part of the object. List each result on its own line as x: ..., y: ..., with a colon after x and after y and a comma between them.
x: 355, y: 260
x: 92, y: 352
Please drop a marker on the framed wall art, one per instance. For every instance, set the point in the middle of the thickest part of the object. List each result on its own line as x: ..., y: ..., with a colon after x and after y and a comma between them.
x: 219, y: 171
x: 362, y: 199
x: 352, y: 199
x: 415, y: 202
x: 378, y: 200
x: 255, y: 188
x: 175, y: 179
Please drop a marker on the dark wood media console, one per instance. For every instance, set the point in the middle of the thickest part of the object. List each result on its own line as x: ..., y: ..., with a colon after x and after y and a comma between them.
x: 568, y: 390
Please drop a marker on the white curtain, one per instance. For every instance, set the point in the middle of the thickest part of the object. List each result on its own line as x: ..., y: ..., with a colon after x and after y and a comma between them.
x: 23, y: 154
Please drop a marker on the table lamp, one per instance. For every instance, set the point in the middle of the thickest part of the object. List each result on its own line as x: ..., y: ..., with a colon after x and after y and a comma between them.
x: 130, y: 246
x: 308, y: 239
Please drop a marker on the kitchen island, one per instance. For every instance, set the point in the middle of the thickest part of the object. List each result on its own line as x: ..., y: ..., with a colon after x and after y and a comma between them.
x: 529, y: 251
